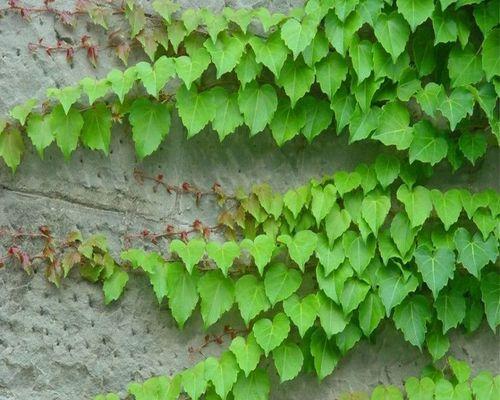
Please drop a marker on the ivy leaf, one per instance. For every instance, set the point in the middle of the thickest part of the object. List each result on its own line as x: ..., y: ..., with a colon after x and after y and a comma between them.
x: 374, y: 209
x: 114, y: 285
x: 251, y: 297
x: 324, y: 354
x: 318, y: 116
x: 38, y: 130
x: 448, y: 206
x: 346, y: 339
x: 340, y: 33
x: 288, y: 360
x: 427, y: 145
x: 176, y: 34
x: 336, y: 223
x: 430, y: 98
x: 457, y: 106
x: 331, y: 316
x: 271, y: 52
x: 392, y: 32
x: 227, y: 112
x: 343, y: 105
x: 411, y: 317
x: 195, y: 109
x: 317, y: 50
x: 485, y: 222
x: 181, y: 291
x: 298, y: 35
x: 225, y: 52
x: 346, y: 182
x: 370, y: 313
x: 303, y: 312
x: 223, y: 254
x: 194, y: 381
x: 491, y: 49
x: 362, y: 123
x: 386, y: 393
x: 358, y: 252
x: 417, y: 203
x: 165, y: 8
x: 267, y: 19
x: 301, y: 247
x: 472, y: 145
x: 437, y: 268
x: 154, y: 78
x: 420, y: 389
x: 394, y: 126
x: 96, y: 131
x: 296, y: 78
x: 333, y: 284
x: 122, y: 82
x: 156, y: 388
x: 190, y: 68
x: 258, y: 105
x: 150, y: 125
x: 445, y: 27
x: 247, y: 352
x: 423, y: 50
x: 66, y: 127
x: 394, y: 287
x: 464, y: 66
x: 270, y: 334
x: 383, y: 66
x: 261, y: 249
x: 280, y: 282
x: 222, y: 372
x: 11, y: 147
x: 67, y: 96
x: 217, y: 296
x: 248, y: 68
x: 474, y: 253
x: 387, y: 169
x: 296, y: 199
x: 415, y: 11
x: 323, y: 199
x: 361, y: 57
x: 450, y: 307
x: 21, y: 111
x: 485, y: 386
x: 460, y: 369
x: 329, y: 257
x: 287, y: 122
x: 353, y: 294
x: 490, y: 294
x: 254, y: 386
x: 214, y: 23
x: 241, y: 17
x: 190, y: 253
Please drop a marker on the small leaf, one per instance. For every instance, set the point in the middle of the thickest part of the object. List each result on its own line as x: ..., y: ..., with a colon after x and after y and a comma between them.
x: 490, y: 294
x: 303, y: 313
x: 450, y: 307
x: 298, y: 35
x: 437, y: 268
x: 66, y: 127
x: 96, y: 131
x: 270, y: 334
x: 371, y: 312
x: 417, y: 203
x: 258, y: 104
x: 222, y: 372
x: 301, y: 247
x: 411, y: 317
x: 217, y: 296
x: 296, y: 78
x: 11, y: 147
x: 392, y: 32
x: 223, y: 254
x: 331, y: 316
x: 114, y: 285
x: 324, y: 354
x: 473, y: 252
x: 38, y: 130
x: 255, y: 386
x: 394, y: 126
x: 271, y: 52
x: 427, y: 145
x: 281, y: 282
x: 387, y: 169
x: 21, y: 111
x: 247, y: 352
x: 181, y: 291
x: 251, y: 297
x: 288, y: 360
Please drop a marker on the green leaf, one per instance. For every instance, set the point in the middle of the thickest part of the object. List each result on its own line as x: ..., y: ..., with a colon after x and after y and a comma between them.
x: 66, y: 127
x: 473, y: 146
x: 324, y: 354
x: 217, y: 296
x: 386, y: 393
x: 258, y: 104
x: 343, y: 106
x: 411, y: 317
x: 450, y: 307
x: 460, y: 369
x: 457, y: 106
x: 427, y: 145
x: 156, y: 388
x: 317, y: 49
x: 11, y: 147
x: 270, y: 334
x: 485, y: 386
x: 296, y: 199
x: 383, y: 66
x: 318, y: 116
x: 176, y: 34
x: 474, y: 253
x: 353, y: 294
x: 394, y: 287
x: 331, y: 316
x: 330, y: 73
x: 251, y: 297
x: 122, y: 82
x: 190, y: 253
x: 296, y: 78
x: 394, y: 126
x: 340, y: 33
x: 261, y: 249
x: 194, y: 381
x: 301, y: 247
x: 150, y: 125
x: 491, y: 49
x: 437, y: 268
x: 38, y: 130
x: 346, y: 182
x: 430, y: 98
x: 190, y: 68
x: 370, y: 313
x: 392, y: 32
x: 287, y: 122
x: 154, y: 78
x: 361, y: 57
x: 415, y: 11
x: 330, y: 257
x: 336, y: 223
x: 490, y: 294
x: 448, y: 206
x: 226, y: 52
x: 333, y: 284
x: 241, y: 17
x: 114, y: 285
x: 346, y: 339
x: 223, y: 254
x: 280, y: 282
x: 445, y: 27
x: 423, y: 50
x: 96, y: 131
x: 195, y: 109
x: 227, y: 112
x: 267, y: 19
x: 464, y: 66
x: 358, y: 252
x: 181, y: 291
x: 417, y: 203
x: 288, y: 360
x: 67, y: 96
x: 248, y: 68
x: 437, y: 344
x: 247, y: 352
x: 303, y: 312
x: 420, y: 389
x: 362, y: 124
x: 271, y: 52
x: 165, y: 8
x: 374, y: 209
x: 222, y: 372
x: 323, y: 199
x: 298, y: 35
x: 387, y: 169
x: 21, y: 111
x: 255, y: 386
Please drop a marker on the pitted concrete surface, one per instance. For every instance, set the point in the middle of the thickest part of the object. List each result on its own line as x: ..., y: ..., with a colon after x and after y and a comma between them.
x: 64, y: 344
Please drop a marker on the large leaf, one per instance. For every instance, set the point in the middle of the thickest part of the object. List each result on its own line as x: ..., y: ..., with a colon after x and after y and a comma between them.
x: 464, y: 66
x: 271, y: 52
x: 394, y: 126
x: 280, y: 282
x: 223, y: 254
x: 330, y: 73
x: 225, y: 52
x: 258, y: 104
x: 411, y: 317
x: 427, y: 145
x: 448, y: 206
x: 324, y: 354
x: 288, y: 360
x: 12, y: 146
x: 415, y: 11
x: 298, y: 35
x: 227, y: 115
x: 300, y: 247
x: 374, y: 209
x: 217, y: 296
x: 457, y: 106
x: 450, y: 307
x: 302, y: 312
x: 287, y: 122
x: 437, y: 267
x: 247, y: 352
x: 39, y: 132
x: 370, y: 313
x: 222, y: 372
x: 394, y: 287
x: 96, y: 131
x: 331, y: 316
x: 490, y: 294
x: 473, y: 252
x: 190, y: 68
x: 254, y: 386
x: 190, y: 253
x: 251, y: 297
x: 296, y: 78
x: 491, y: 49
x: 392, y: 32
x: 181, y: 291
x: 155, y: 77
x: 417, y: 203
x: 270, y: 334
x: 195, y: 109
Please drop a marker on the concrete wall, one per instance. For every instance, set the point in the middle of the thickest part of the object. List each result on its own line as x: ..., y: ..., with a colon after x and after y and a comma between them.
x: 63, y: 343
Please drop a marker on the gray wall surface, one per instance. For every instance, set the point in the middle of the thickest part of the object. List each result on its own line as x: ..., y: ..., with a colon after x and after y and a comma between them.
x: 64, y: 344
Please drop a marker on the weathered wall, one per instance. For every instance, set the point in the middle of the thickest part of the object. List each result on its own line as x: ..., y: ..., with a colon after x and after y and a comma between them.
x: 64, y: 344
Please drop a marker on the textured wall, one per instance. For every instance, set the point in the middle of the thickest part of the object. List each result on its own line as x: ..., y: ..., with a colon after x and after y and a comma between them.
x: 64, y: 344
